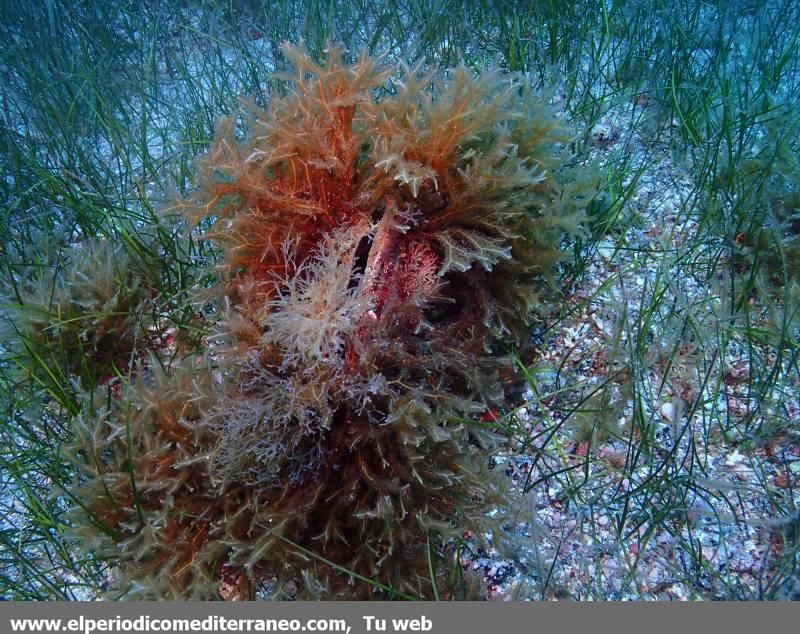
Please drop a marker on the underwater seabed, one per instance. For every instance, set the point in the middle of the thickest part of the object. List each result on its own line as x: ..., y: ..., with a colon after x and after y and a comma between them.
x: 378, y: 330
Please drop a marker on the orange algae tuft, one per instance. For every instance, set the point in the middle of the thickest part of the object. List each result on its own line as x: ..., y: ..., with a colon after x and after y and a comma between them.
x: 377, y: 253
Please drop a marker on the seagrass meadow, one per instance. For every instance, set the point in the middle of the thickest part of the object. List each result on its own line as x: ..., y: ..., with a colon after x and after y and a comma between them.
x: 380, y: 300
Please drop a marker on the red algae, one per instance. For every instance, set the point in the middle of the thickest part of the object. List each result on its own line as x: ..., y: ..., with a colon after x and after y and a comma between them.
x: 377, y: 254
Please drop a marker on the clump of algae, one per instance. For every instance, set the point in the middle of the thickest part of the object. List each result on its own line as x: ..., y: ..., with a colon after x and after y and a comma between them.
x: 377, y: 257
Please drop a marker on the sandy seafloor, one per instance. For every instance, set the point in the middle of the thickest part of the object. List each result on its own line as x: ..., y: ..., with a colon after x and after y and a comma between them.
x: 586, y: 551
